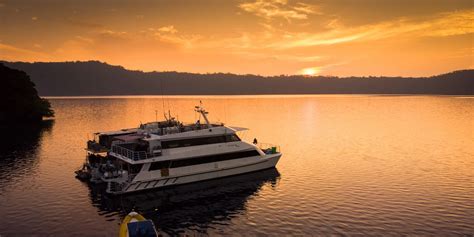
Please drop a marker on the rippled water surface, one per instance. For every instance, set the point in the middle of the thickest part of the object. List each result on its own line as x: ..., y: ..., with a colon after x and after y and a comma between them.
x: 370, y: 165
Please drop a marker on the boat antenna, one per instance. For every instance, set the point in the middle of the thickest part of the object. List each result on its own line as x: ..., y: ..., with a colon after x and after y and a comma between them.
x: 156, y: 116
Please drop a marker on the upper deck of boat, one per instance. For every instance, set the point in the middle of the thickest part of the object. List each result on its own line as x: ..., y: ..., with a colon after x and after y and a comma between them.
x: 186, y: 131
x: 153, y: 133
x: 167, y: 129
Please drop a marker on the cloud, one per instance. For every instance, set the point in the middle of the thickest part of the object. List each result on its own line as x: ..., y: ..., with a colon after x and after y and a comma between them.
x: 84, y: 39
x: 168, y: 29
x: 7, y: 47
x: 109, y: 44
x: 308, y: 39
x: 34, y: 18
x: 453, y: 23
x: 306, y: 8
x: 169, y: 34
x: 271, y: 46
x: 270, y: 9
x: 113, y: 33
x: 441, y: 25
x: 10, y: 52
x: 278, y: 57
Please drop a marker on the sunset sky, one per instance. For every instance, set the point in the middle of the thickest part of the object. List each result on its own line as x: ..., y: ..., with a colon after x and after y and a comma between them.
x: 332, y: 37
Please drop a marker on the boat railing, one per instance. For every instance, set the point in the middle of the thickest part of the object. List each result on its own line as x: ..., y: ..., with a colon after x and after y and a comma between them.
x: 114, y: 187
x: 269, y: 148
x: 131, y: 154
x: 179, y: 128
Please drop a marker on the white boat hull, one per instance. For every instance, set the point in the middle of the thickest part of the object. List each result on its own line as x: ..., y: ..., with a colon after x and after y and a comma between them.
x: 269, y: 161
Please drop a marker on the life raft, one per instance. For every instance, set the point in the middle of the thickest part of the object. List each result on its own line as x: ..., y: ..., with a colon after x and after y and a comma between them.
x: 135, y: 224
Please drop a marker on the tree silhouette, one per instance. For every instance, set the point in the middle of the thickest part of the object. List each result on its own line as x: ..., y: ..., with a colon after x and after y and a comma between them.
x: 19, y: 100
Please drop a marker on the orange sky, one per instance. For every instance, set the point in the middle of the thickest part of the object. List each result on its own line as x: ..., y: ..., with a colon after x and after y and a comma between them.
x: 337, y: 37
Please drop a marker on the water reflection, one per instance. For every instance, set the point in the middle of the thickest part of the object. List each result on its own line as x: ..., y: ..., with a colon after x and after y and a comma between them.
x: 189, y: 207
x: 351, y: 165
x: 19, y: 151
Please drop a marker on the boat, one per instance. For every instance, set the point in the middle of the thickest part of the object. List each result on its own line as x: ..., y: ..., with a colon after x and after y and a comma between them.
x: 135, y: 225
x: 168, y: 153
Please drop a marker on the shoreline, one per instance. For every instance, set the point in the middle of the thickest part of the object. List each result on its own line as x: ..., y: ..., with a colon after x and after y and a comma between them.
x: 249, y: 96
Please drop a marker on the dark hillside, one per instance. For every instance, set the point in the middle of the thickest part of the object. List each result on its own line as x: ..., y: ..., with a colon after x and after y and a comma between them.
x: 96, y: 78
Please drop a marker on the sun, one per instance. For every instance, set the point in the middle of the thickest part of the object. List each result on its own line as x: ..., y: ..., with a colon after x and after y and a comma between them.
x: 311, y: 71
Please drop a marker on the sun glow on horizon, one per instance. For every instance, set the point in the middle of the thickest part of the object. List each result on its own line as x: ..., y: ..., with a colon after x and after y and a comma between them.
x: 311, y: 71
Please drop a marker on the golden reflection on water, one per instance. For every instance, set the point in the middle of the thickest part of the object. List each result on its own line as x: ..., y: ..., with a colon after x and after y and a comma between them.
x: 350, y: 165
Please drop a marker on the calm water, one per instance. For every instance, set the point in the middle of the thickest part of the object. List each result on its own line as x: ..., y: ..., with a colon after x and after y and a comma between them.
x: 370, y: 165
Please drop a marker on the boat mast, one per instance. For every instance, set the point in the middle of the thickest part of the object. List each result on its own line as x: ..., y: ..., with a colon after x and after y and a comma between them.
x: 203, y: 112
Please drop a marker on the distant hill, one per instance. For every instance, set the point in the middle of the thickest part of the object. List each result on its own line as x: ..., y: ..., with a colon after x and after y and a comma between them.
x: 19, y: 100
x: 97, y: 78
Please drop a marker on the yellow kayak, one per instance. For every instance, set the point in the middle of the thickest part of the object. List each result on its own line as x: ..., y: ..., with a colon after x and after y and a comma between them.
x: 135, y: 225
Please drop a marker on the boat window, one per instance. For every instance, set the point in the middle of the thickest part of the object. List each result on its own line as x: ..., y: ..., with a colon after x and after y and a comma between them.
x: 135, y: 146
x: 159, y: 165
x: 213, y: 158
x: 199, y: 141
